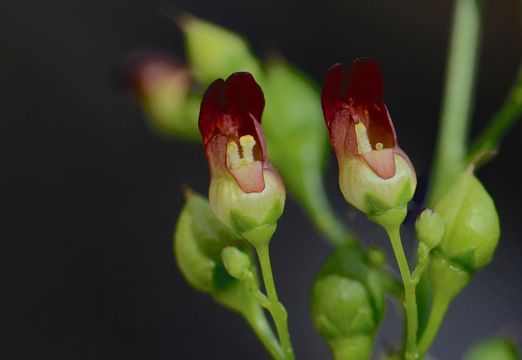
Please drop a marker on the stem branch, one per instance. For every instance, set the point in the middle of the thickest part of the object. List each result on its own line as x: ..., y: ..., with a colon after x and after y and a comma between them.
x: 504, y: 119
x: 275, y: 307
x: 410, y: 302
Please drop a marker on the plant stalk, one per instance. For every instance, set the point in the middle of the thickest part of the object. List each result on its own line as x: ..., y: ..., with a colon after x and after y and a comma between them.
x: 451, y: 146
x: 275, y: 308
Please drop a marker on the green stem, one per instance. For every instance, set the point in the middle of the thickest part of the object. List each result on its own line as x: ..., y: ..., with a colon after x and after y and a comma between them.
x: 456, y: 107
x: 504, y: 119
x: 276, y: 309
x: 439, y: 307
x: 410, y: 303
x: 263, y: 331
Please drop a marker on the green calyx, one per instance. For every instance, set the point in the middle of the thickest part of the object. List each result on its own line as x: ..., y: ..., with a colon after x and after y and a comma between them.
x: 471, y: 221
x: 384, y: 201
x: 248, y: 214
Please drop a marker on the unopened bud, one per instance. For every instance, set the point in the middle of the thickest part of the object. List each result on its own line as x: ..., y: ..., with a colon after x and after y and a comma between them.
x: 343, y: 315
x: 237, y: 263
x: 429, y: 228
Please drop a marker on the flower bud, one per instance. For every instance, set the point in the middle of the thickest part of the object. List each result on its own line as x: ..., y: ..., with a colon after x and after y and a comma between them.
x: 342, y: 314
x: 162, y: 86
x: 214, y: 51
x: 471, y: 221
x: 429, y: 228
x: 198, y: 240
x: 348, y: 301
x: 375, y: 175
x: 237, y: 263
x: 245, y: 192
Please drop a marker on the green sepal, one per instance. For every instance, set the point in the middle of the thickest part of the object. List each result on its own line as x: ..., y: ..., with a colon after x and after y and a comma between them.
x: 495, y: 348
x: 240, y: 222
x: 260, y: 236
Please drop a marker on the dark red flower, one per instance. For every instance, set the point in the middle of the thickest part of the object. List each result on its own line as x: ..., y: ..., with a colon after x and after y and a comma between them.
x: 357, y: 118
x: 230, y: 124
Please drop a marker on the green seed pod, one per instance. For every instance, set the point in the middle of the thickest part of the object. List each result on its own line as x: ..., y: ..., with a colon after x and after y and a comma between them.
x: 342, y: 314
x: 430, y: 228
x: 471, y: 221
x: 215, y: 52
x: 348, y: 302
x: 198, y: 241
x: 497, y: 349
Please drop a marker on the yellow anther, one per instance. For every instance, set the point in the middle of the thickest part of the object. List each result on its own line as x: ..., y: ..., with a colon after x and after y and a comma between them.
x: 363, y: 143
x: 247, y: 144
x: 379, y: 146
x: 234, y: 160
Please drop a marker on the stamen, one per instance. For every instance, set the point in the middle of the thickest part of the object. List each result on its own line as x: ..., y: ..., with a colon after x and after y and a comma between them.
x: 379, y: 146
x: 234, y: 160
x: 363, y: 143
x: 232, y: 154
x: 247, y: 144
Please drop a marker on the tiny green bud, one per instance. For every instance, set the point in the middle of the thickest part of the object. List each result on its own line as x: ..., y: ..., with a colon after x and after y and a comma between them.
x: 237, y: 263
x: 376, y: 257
x: 497, y: 349
x: 214, y: 51
x: 429, y: 228
x: 471, y: 221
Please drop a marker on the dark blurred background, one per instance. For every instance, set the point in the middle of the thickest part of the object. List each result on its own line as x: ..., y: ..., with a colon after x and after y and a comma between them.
x: 89, y: 196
